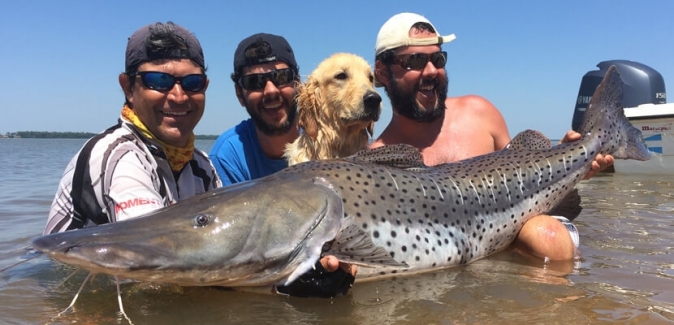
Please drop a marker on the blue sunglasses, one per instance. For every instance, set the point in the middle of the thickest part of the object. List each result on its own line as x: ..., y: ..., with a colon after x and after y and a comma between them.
x: 161, y: 81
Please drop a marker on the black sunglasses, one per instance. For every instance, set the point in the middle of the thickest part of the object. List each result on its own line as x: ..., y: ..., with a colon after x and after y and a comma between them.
x: 161, y: 81
x: 257, y: 81
x: 418, y: 61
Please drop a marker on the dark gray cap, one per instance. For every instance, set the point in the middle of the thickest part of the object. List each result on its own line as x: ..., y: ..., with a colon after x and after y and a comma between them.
x: 280, y: 51
x: 163, y: 41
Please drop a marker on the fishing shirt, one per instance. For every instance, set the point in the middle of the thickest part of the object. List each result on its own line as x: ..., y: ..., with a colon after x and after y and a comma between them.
x: 120, y: 174
x: 238, y: 157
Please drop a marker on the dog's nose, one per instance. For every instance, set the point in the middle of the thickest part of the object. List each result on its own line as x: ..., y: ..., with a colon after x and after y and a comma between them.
x: 371, y: 99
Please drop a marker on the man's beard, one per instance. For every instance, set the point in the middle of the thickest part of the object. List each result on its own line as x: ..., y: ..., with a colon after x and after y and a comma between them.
x: 405, y: 102
x: 272, y: 130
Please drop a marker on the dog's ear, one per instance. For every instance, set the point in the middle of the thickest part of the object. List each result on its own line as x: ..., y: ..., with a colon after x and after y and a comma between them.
x: 309, y: 101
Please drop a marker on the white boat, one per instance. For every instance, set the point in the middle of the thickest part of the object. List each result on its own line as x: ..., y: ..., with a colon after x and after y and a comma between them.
x: 656, y: 122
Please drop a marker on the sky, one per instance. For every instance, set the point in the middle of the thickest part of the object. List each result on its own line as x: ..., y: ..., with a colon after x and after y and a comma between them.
x: 61, y: 59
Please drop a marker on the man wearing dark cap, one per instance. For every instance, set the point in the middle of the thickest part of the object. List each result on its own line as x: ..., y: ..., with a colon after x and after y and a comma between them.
x: 265, y: 78
x: 148, y: 159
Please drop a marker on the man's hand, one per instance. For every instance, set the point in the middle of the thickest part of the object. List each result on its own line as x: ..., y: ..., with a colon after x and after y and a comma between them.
x: 600, y: 162
x: 329, y: 278
x: 331, y: 263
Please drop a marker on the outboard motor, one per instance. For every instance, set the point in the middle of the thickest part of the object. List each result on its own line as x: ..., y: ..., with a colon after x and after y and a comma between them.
x: 643, y: 85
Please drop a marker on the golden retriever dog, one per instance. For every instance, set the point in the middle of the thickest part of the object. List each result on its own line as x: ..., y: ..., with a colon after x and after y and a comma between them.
x: 337, y: 107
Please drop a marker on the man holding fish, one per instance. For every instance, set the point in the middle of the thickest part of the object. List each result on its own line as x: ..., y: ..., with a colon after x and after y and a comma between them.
x: 410, y: 65
x: 148, y: 160
x: 151, y: 150
x: 381, y: 209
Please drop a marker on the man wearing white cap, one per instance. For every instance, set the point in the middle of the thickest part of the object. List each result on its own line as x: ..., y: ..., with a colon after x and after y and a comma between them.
x: 410, y: 65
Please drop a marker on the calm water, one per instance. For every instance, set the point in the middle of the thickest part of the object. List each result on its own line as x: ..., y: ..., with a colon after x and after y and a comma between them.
x: 625, y: 274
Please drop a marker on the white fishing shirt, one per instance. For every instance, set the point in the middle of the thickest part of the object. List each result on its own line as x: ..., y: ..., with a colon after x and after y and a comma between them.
x: 119, y: 174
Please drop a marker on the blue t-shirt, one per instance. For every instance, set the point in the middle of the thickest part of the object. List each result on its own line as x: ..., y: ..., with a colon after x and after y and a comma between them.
x: 238, y: 157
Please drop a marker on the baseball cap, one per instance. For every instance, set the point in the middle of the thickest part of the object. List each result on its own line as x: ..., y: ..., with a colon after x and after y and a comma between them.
x: 139, y: 48
x: 395, y: 33
x: 280, y: 51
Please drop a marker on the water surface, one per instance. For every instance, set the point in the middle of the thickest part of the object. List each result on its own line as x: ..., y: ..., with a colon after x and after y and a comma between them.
x: 624, y: 276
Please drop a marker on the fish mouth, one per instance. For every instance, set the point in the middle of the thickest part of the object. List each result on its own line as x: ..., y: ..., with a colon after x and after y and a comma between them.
x: 109, y: 258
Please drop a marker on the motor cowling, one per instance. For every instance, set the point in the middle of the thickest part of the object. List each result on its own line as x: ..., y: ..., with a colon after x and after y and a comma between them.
x: 642, y: 85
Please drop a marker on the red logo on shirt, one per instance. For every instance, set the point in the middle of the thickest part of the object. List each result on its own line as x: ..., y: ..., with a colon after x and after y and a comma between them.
x: 135, y: 202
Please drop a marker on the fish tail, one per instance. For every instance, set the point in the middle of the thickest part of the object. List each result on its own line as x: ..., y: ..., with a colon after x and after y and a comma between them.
x: 605, y: 121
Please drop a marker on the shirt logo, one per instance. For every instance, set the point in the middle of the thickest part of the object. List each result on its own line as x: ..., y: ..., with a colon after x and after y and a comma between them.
x: 134, y: 203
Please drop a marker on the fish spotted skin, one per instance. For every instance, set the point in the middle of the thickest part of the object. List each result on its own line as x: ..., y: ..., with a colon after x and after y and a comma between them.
x: 381, y: 208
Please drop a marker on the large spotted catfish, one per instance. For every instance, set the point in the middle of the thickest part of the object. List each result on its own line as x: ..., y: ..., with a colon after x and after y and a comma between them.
x: 381, y: 209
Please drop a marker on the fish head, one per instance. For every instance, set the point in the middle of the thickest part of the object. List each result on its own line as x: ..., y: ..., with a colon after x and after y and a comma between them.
x: 255, y: 233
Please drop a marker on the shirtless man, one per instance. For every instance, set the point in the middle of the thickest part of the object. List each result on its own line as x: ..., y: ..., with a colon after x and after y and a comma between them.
x: 410, y: 65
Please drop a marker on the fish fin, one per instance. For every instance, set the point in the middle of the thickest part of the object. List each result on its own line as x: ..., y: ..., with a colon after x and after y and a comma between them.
x: 569, y: 207
x: 635, y: 147
x: 304, y: 267
x: 605, y: 117
x: 309, y: 250
x: 529, y: 139
x: 396, y: 155
x: 353, y: 245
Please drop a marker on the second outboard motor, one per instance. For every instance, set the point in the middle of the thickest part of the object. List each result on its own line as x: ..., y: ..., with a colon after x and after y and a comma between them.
x: 643, y: 85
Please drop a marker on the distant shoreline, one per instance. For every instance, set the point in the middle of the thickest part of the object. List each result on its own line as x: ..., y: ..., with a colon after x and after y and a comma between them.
x: 73, y: 135
x: 87, y: 135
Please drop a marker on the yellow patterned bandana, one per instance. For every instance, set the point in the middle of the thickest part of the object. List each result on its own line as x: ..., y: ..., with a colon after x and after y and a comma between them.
x: 177, y: 157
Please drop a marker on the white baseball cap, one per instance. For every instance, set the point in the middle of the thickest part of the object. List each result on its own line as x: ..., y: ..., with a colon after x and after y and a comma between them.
x: 396, y: 33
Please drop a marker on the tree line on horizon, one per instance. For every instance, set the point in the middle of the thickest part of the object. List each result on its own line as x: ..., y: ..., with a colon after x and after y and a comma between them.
x: 75, y: 135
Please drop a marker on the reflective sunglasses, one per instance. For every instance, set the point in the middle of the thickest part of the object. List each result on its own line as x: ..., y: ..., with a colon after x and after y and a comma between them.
x: 161, y: 81
x: 418, y: 61
x: 257, y: 81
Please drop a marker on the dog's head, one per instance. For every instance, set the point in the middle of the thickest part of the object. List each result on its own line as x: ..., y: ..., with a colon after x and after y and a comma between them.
x: 339, y: 94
